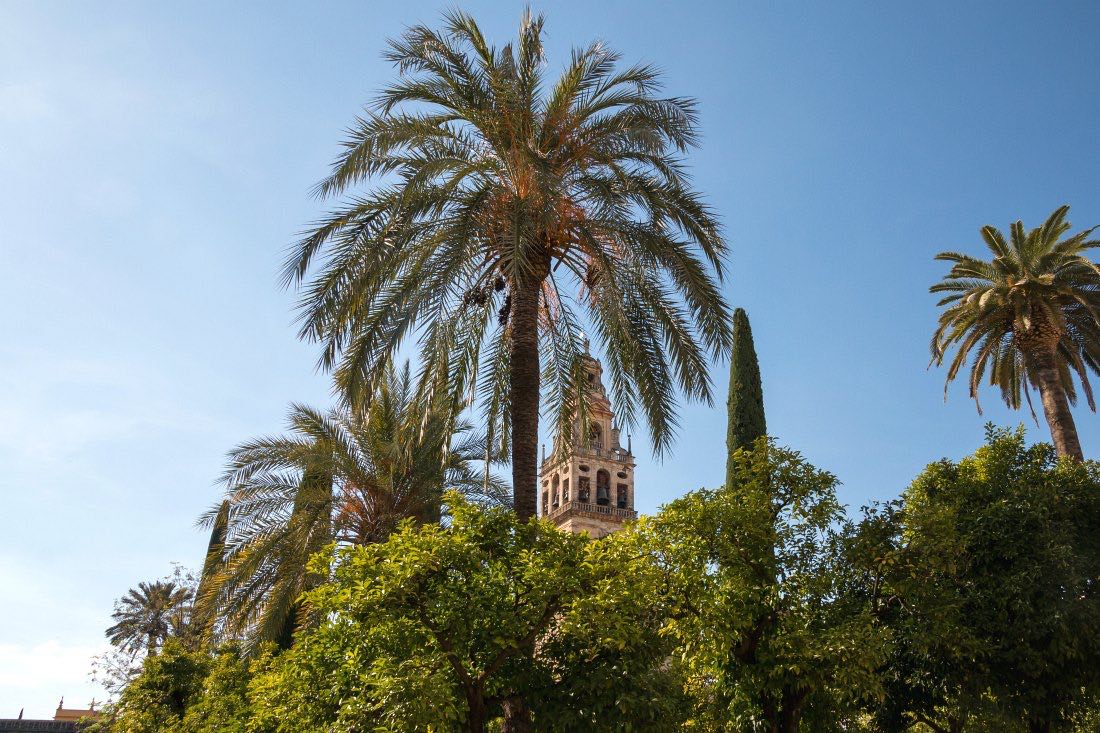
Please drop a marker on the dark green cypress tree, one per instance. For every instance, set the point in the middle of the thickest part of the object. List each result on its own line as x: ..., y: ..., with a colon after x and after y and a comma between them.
x: 214, y: 549
x: 746, y: 396
x: 215, y: 553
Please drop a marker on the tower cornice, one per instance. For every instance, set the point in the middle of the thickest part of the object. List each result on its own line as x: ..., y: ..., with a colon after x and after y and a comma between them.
x: 589, y: 486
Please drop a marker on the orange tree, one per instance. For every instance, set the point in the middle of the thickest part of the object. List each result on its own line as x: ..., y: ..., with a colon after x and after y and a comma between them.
x: 986, y: 576
x: 446, y: 628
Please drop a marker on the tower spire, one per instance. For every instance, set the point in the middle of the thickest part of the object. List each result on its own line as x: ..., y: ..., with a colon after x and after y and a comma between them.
x: 590, y: 487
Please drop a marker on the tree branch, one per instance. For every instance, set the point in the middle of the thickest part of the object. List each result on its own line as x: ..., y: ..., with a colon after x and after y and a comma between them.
x: 936, y: 727
x: 448, y: 652
x: 504, y: 654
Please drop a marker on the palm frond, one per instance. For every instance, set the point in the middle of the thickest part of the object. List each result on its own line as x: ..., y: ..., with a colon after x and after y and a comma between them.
x: 350, y: 475
x: 472, y: 169
x: 1037, y: 279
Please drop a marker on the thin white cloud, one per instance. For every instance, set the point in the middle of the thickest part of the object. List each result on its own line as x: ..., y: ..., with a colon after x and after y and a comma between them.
x: 133, y: 400
x: 34, y: 677
x: 24, y: 102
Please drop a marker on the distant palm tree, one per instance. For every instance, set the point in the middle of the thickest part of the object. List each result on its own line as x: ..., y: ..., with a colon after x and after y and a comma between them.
x: 1031, y: 315
x: 500, y: 202
x: 347, y: 477
x: 147, y: 615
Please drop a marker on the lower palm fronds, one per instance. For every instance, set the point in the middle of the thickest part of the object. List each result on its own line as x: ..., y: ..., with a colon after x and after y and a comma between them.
x: 348, y: 476
x: 1030, y: 316
x: 149, y: 614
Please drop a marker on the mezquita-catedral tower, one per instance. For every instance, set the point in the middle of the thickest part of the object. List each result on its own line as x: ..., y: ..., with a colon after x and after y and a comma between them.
x: 590, y: 488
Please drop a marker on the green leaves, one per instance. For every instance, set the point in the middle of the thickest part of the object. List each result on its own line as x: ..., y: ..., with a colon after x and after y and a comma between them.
x: 755, y: 584
x: 1038, y: 297
x: 971, y: 602
x: 745, y: 401
x: 349, y: 476
x: 147, y: 616
x: 476, y: 169
x: 989, y: 588
x: 435, y: 627
x: 170, y: 683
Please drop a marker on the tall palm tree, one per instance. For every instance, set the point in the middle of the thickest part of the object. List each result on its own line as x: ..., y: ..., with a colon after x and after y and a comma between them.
x: 347, y: 477
x: 499, y: 207
x: 1030, y: 316
x: 147, y: 615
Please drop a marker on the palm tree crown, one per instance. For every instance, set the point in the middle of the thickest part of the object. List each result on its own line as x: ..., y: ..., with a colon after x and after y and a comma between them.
x: 502, y: 209
x: 1030, y: 316
x: 348, y: 476
x: 147, y: 615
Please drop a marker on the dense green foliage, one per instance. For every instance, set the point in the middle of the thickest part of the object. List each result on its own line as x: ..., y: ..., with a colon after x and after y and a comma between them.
x: 188, y: 691
x: 363, y: 573
x: 988, y: 574
x: 348, y: 476
x: 156, y: 701
x: 499, y: 207
x: 756, y: 581
x: 438, y: 627
x: 745, y: 401
x: 435, y: 629
x: 969, y: 605
x: 1029, y: 316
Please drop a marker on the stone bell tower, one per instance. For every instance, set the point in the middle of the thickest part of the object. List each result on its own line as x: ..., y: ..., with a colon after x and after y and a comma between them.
x: 590, y: 488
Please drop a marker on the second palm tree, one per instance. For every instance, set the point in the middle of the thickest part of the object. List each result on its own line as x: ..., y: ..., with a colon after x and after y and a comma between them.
x: 1029, y: 316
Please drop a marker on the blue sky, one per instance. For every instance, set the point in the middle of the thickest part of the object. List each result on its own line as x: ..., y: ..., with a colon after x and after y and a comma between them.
x: 156, y: 161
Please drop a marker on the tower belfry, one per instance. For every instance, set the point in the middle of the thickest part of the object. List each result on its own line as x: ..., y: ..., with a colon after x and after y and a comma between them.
x: 590, y: 487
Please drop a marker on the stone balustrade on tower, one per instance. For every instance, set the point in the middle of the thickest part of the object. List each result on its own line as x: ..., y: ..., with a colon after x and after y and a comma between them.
x: 589, y: 487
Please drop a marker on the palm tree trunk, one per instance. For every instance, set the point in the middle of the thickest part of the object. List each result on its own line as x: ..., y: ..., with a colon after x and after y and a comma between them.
x: 525, y: 396
x: 1063, y: 431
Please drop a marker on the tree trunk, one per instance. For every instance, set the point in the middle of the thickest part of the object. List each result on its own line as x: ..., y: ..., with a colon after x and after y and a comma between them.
x: 517, y: 716
x: 770, y: 711
x: 788, y: 722
x: 783, y: 715
x: 525, y: 395
x: 1038, y: 726
x: 476, y: 713
x: 1063, y: 431
x: 790, y: 714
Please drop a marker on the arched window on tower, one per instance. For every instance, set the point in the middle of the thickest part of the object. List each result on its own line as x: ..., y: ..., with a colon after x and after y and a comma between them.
x: 595, y: 438
x: 603, y: 488
x: 554, y: 492
x: 565, y: 490
x: 621, y: 496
